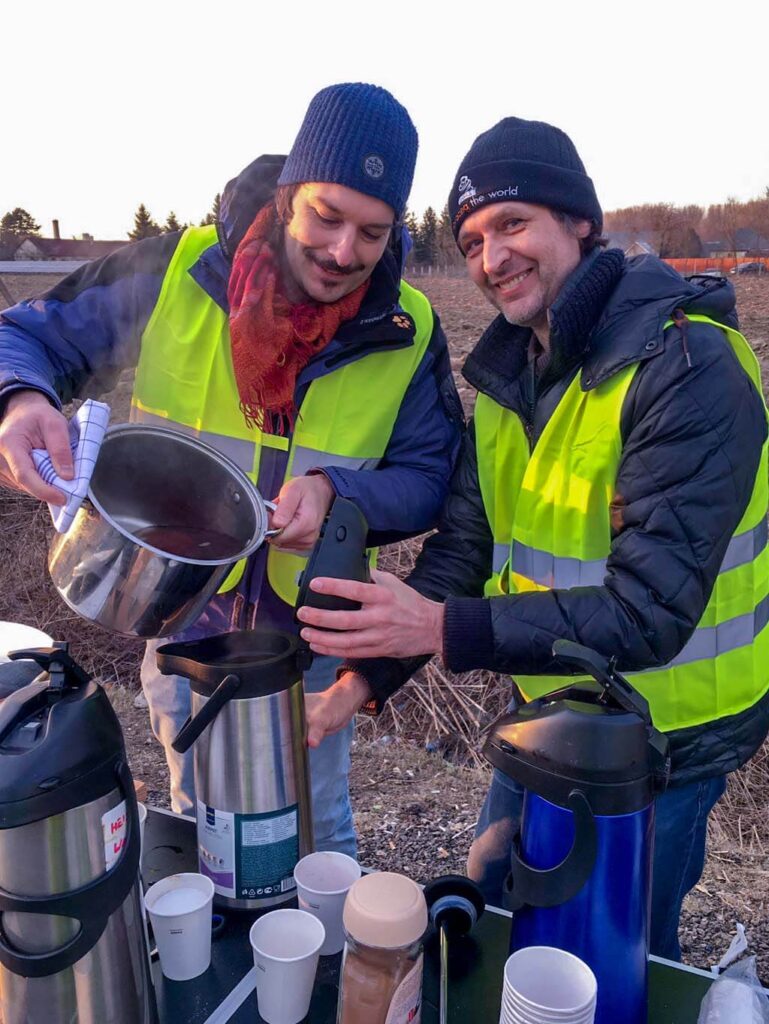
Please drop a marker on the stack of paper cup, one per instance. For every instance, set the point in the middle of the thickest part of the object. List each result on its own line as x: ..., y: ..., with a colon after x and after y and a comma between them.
x: 286, y: 946
x: 322, y: 882
x: 179, y: 909
x: 543, y: 985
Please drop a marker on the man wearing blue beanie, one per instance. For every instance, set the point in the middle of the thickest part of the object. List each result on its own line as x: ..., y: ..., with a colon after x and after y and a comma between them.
x: 283, y: 335
x: 612, y: 491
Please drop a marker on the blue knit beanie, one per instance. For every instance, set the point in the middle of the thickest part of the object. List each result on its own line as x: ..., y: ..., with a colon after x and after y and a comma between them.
x: 525, y: 162
x: 356, y: 135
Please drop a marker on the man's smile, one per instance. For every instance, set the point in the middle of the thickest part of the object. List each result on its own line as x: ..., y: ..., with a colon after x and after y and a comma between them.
x: 508, y: 285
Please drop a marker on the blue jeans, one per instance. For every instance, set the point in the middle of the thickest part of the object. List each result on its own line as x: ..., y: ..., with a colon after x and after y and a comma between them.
x: 681, y: 815
x: 169, y: 705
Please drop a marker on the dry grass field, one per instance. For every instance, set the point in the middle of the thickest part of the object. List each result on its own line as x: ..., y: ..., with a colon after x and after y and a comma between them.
x: 417, y: 780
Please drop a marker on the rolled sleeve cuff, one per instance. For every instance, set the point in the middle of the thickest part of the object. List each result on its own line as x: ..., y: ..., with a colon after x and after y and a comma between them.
x: 384, y: 676
x: 468, y: 637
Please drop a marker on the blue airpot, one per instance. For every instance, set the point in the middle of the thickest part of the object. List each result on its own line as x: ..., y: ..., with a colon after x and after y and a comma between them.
x: 590, y: 763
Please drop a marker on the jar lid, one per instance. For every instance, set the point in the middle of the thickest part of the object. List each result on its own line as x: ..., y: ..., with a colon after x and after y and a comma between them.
x: 385, y: 910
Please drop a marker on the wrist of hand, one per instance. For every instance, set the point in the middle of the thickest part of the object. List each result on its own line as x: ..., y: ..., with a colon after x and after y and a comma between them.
x: 355, y: 689
x: 323, y: 485
x: 26, y: 397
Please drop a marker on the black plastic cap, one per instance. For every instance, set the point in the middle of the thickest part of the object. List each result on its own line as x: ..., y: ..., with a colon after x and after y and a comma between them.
x: 265, y: 660
x: 454, y: 902
x: 70, y: 759
x: 554, y: 746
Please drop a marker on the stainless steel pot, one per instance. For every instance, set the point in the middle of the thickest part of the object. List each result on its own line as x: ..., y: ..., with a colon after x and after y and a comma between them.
x: 166, y: 518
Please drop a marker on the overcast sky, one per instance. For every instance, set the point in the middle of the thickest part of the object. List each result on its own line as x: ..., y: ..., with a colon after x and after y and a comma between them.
x: 107, y: 105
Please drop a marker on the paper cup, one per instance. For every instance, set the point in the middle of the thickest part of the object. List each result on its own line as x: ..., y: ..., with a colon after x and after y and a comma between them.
x: 15, y: 636
x: 544, y: 985
x: 142, y: 818
x: 286, y: 946
x: 322, y: 881
x: 179, y: 909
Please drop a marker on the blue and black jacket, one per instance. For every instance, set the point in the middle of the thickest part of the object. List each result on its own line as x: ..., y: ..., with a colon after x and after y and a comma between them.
x: 73, y: 341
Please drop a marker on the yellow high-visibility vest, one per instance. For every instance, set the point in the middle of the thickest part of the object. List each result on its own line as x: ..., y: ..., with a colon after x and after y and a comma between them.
x: 185, y: 380
x: 549, y: 511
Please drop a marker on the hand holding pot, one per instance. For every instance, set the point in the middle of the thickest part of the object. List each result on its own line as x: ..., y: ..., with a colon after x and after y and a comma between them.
x: 394, y: 621
x: 30, y: 421
x: 303, y: 504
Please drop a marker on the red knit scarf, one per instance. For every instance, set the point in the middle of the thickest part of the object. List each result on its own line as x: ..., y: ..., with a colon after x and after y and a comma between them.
x: 272, y: 340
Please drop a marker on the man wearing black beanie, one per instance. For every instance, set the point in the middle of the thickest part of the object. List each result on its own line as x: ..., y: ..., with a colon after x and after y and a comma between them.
x: 612, y: 491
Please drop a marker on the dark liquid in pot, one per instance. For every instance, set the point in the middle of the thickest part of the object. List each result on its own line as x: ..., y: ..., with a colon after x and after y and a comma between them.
x: 191, y: 542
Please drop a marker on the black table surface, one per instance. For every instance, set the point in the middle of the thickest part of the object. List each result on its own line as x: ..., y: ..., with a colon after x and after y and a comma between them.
x: 475, y: 962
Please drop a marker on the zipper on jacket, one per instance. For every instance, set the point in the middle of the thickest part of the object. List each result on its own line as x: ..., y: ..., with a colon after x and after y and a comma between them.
x: 532, y: 403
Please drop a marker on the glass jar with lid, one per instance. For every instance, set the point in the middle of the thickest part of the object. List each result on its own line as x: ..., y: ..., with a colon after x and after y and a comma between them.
x: 385, y: 918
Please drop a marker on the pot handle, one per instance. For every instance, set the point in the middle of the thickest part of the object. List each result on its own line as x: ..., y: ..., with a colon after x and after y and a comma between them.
x: 193, y: 727
x: 272, y: 507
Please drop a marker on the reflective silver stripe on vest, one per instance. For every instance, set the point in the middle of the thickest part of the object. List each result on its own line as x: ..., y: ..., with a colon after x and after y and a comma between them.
x: 500, y: 556
x: 558, y: 573
x: 710, y: 641
x: 306, y: 459
x: 242, y: 453
x: 745, y: 547
x: 562, y: 573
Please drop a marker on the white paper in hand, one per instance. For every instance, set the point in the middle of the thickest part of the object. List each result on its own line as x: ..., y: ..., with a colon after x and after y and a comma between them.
x: 86, y: 432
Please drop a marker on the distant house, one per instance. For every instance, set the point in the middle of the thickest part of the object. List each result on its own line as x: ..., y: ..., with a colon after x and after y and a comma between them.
x: 634, y: 243
x: 746, y: 242
x: 30, y: 247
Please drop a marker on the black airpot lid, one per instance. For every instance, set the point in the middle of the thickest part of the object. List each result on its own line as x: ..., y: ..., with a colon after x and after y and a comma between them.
x: 595, y: 736
x: 551, y: 747
x: 265, y: 660
x: 60, y: 741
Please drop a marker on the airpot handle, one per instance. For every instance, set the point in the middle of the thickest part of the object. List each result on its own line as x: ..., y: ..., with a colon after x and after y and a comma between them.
x: 63, y: 673
x: 91, y: 905
x: 340, y: 553
x: 58, y: 662
x: 618, y: 690
x: 193, y: 727
x: 615, y: 686
x: 549, y: 887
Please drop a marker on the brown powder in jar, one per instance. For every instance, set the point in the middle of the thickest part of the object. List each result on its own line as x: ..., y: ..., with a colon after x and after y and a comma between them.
x: 370, y: 979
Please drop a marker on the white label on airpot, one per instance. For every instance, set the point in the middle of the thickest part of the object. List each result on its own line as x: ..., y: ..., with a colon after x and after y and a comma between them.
x: 216, y: 847
x: 114, y: 830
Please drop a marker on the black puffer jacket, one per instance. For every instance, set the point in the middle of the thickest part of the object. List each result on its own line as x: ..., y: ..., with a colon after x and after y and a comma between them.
x: 692, y: 437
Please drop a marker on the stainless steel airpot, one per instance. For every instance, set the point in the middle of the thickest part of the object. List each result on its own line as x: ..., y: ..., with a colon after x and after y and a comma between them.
x: 247, y: 733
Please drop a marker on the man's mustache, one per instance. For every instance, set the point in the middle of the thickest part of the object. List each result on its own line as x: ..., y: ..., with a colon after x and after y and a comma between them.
x: 333, y: 267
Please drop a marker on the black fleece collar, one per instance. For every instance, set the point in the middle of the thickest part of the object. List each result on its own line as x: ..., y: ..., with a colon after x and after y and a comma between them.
x: 632, y: 306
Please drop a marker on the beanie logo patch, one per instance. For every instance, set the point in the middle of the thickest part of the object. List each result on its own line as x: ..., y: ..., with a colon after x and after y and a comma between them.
x: 465, y: 189
x: 373, y: 165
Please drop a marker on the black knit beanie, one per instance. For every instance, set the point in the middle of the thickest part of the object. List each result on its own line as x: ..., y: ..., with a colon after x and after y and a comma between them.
x: 526, y: 162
